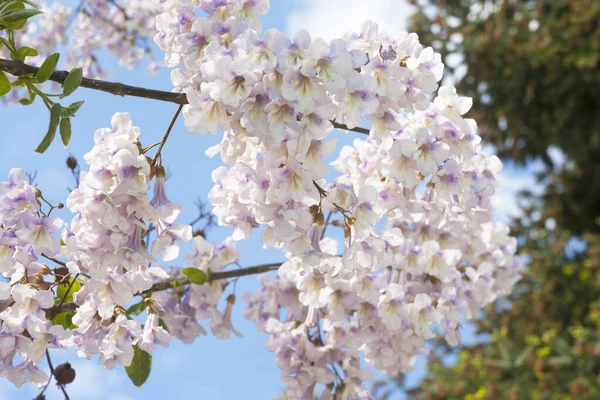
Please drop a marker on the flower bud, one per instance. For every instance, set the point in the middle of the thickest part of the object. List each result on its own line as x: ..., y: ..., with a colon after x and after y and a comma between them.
x: 314, y: 209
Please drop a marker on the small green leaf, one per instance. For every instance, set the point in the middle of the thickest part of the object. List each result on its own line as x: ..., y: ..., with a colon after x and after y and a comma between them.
x: 27, y: 101
x: 54, y: 121
x: 47, y: 68
x: 195, y: 275
x: 70, y: 111
x: 18, y: 15
x: 137, y: 309
x: 139, y: 370
x: 16, y: 18
x: 65, y: 131
x: 23, y: 52
x: 72, y: 81
x: 61, y: 290
x: 4, y: 84
x: 62, y: 242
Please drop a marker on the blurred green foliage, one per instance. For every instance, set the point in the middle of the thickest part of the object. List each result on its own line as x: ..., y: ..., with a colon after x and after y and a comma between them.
x: 533, y: 69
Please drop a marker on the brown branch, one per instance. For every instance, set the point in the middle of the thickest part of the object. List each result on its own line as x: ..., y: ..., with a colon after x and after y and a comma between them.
x: 177, y: 282
x: 213, y: 276
x: 18, y: 68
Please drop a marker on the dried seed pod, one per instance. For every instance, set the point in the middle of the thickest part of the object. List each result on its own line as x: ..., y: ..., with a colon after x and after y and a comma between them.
x: 64, y: 374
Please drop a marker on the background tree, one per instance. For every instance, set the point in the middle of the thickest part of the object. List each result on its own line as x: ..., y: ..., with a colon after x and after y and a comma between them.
x: 532, y: 68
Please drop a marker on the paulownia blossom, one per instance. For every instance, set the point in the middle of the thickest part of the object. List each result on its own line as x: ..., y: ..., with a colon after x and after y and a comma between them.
x: 414, y: 200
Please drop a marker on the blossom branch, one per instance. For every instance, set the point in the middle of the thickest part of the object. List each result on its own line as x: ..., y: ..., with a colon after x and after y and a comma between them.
x: 178, y: 282
x: 18, y: 68
x: 214, y: 276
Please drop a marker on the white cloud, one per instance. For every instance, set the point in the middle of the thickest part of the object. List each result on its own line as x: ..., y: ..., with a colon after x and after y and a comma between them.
x: 331, y: 18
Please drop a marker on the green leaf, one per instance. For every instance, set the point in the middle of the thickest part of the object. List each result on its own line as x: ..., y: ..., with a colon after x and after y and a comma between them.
x: 65, y: 130
x: 62, y: 242
x: 47, y: 68
x: 4, y: 84
x: 17, y: 18
x: 61, y: 290
x: 64, y: 319
x: 54, y: 121
x: 70, y: 111
x: 139, y: 370
x: 72, y: 81
x: 27, y: 101
x: 23, y: 52
x: 195, y: 275
x: 18, y: 15
x: 137, y: 309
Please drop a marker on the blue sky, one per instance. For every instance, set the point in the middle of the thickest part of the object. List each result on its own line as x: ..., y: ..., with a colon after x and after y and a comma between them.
x: 209, y: 369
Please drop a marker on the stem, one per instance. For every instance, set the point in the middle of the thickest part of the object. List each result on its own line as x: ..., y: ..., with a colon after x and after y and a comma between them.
x: 18, y: 68
x: 54, y: 260
x: 166, y: 136
x: 68, y: 290
x: 52, y: 372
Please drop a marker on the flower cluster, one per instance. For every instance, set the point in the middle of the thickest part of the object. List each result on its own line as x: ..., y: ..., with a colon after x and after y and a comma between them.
x: 105, y: 243
x: 184, y: 307
x: 108, y: 261
x: 25, y: 234
x: 414, y: 199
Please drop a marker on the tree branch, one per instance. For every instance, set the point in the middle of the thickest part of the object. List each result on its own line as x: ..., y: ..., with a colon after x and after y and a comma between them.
x: 18, y: 68
x: 169, y: 283
x: 214, y: 276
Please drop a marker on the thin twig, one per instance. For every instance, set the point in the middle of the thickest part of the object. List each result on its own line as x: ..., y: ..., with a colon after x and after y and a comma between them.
x: 54, y: 260
x: 166, y: 136
x: 53, y: 374
x: 18, y: 68
x: 39, y: 396
x: 329, y: 214
x: 68, y: 290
